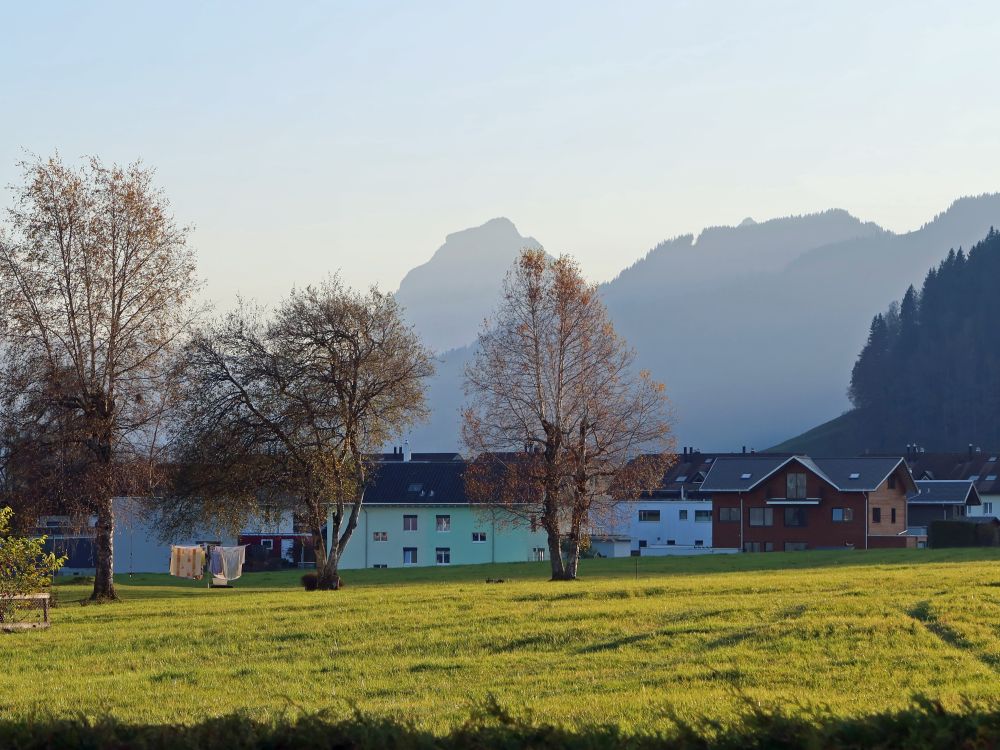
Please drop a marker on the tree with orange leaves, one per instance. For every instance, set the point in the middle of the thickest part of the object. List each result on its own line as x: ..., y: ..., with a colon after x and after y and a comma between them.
x: 563, y: 427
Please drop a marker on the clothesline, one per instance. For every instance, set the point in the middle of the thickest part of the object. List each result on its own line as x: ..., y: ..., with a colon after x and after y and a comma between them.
x: 225, y: 564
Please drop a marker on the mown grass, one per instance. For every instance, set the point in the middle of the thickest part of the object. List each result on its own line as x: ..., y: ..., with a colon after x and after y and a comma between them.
x: 847, y: 633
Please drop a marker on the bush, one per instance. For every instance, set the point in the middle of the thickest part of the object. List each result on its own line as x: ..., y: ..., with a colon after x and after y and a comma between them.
x: 926, y: 725
x: 310, y: 581
x: 962, y: 534
x: 25, y: 567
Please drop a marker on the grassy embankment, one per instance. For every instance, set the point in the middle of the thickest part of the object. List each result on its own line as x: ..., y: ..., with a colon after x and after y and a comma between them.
x: 852, y: 632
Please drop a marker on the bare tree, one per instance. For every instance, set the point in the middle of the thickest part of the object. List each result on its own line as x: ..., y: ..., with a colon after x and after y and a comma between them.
x: 290, y: 409
x: 96, y: 281
x: 562, y: 424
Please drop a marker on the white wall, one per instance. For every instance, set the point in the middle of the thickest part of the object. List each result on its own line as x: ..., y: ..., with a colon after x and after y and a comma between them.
x: 674, y: 523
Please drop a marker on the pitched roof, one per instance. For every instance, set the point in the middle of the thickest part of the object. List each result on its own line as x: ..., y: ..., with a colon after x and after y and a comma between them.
x: 423, y: 482
x: 871, y: 471
x: 977, y: 467
x: 743, y: 473
x: 945, y: 492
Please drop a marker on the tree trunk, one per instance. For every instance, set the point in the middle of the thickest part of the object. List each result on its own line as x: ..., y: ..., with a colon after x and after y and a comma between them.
x: 104, y: 553
x: 572, y: 563
x: 326, y: 565
x: 555, y: 555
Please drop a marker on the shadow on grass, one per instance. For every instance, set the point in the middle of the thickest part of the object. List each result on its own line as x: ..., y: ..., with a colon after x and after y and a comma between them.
x: 925, y: 725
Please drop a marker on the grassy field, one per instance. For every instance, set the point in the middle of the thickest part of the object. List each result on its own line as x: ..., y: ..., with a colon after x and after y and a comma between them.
x: 851, y: 632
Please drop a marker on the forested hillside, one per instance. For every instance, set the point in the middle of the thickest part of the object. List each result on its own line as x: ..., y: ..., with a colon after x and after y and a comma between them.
x: 929, y: 372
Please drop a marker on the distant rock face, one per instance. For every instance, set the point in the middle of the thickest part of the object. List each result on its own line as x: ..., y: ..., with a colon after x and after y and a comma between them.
x: 754, y: 329
x: 448, y: 297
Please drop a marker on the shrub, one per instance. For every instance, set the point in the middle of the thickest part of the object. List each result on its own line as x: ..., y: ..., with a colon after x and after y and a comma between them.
x: 310, y: 581
x: 25, y: 567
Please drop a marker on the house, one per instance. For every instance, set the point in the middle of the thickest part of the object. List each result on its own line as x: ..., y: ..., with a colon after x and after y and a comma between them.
x: 941, y: 500
x: 764, y: 503
x: 138, y: 546
x: 416, y: 513
x: 975, y: 465
x: 674, y: 519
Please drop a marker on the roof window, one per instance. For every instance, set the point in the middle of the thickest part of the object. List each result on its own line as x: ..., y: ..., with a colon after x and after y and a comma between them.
x: 414, y: 488
x: 681, y: 478
x: 854, y: 475
x: 991, y: 477
x: 745, y: 475
x: 974, y: 478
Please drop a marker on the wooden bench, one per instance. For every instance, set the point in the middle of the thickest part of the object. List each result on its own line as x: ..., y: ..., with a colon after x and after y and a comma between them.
x: 43, y: 599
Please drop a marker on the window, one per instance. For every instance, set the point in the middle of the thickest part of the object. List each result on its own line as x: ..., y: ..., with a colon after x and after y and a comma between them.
x: 681, y: 478
x: 642, y: 543
x: 409, y: 523
x: 876, y: 515
x: 795, y: 517
x: 892, y: 515
x: 762, y: 516
x: 699, y: 542
x: 758, y: 547
x: 443, y: 555
x: 538, y: 553
x: 478, y: 537
x: 746, y: 475
x: 892, y: 481
x: 987, y: 509
x: 443, y: 523
x: 843, y: 515
x: 795, y: 486
x: 794, y: 546
x: 671, y: 542
x: 991, y: 477
x: 649, y: 515
x: 414, y: 488
x: 409, y: 555
x: 267, y: 543
x: 729, y: 515
x: 854, y: 475
x: 974, y: 478
x: 380, y: 536
x: 682, y: 515
x: 380, y: 565
x: 703, y: 516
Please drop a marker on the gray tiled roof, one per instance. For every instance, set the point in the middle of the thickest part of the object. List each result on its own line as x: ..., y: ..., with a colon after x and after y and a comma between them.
x: 872, y: 471
x: 743, y: 473
x: 945, y: 492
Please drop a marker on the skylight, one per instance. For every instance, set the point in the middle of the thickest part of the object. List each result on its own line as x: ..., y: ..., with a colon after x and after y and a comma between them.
x: 855, y: 475
x: 681, y: 478
x: 993, y: 458
x: 991, y: 477
x: 974, y: 478
x: 745, y: 476
x: 414, y: 488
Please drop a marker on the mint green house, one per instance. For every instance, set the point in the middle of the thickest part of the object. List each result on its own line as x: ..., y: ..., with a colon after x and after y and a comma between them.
x: 416, y: 513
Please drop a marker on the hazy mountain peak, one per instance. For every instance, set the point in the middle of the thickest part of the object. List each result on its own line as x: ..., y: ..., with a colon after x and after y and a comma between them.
x: 747, y: 222
x: 447, y: 297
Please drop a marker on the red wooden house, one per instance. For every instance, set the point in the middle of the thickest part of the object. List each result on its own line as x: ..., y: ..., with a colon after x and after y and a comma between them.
x: 764, y: 503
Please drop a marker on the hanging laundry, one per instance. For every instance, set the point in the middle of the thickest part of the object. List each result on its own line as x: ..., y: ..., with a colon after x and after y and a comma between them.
x: 187, y: 562
x: 227, y: 564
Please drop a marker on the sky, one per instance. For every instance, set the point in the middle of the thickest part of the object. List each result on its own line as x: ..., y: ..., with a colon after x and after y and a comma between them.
x: 301, y: 139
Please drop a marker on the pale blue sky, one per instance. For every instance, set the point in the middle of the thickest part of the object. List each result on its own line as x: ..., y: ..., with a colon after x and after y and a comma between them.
x: 301, y: 138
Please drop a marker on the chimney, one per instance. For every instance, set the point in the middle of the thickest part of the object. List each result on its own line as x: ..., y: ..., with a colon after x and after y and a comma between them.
x: 970, y: 451
x: 406, y: 450
x: 744, y: 449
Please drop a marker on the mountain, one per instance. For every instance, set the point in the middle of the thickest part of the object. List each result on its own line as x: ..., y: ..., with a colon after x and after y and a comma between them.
x: 448, y: 297
x: 753, y: 328
x: 927, y: 373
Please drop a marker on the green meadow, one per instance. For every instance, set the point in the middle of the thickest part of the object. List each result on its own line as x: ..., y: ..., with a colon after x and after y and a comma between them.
x: 842, y: 633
